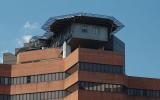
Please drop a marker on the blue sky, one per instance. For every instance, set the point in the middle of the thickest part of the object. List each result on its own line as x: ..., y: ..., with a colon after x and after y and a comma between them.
x: 20, y: 19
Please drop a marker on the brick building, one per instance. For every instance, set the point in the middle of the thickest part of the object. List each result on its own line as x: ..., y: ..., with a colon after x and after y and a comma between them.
x: 78, y: 58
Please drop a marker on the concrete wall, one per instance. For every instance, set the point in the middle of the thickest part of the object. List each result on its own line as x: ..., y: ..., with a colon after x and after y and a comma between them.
x: 92, y: 32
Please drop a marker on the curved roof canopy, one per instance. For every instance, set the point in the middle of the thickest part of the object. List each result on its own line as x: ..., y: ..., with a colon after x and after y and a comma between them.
x: 57, y: 24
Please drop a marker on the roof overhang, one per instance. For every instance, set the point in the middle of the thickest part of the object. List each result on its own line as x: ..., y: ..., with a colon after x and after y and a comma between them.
x: 58, y: 23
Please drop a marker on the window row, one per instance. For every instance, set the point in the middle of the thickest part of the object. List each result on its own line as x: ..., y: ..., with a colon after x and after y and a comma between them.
x: 142, y: 92
x: 35, y: 96
x: 118, y: 89
x: 101, y: 87
x: 32, y: 79
x: 93, y: 67
x: 91, y: 86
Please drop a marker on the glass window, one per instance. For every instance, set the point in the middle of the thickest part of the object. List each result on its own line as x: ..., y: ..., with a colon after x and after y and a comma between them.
x: 119, y: 88
x: 60, y: 94
x: 6, y: 81
x: 31, y: 96
x: 53, y: 95
x: 49, y: 95
x: 21, y: 80
x: 24, y: 97
x: 17, y: 96
x: 18, y: 80
x: 84, y: 30
x: 42, y: 96
x: 21, y: 97
x: 32, y: 79
x: 42, y: 78
x: 24, y: 80
x: 2, y: 80
x: 28, y: 79
x: 1, y: 97
x: 114, y: 88
x: 13, y: 97
x: 64, y: 75
x: 35, y: 96
x: 49, y: 77
x: 56, y: 94
x: 57, y: 76
x: 46, y: 77
x: 35, y: 78
x: 9, y: 80
x: 94, y: 86
x: 103, y: 87
x: 15, y: 81
x: 107, y: 88
x: 38, y: 96
x: 12, y: 81
x: 90, y: 86
x: 39, y: 78
x: 53, y: 77
x: 94, y: 69
x: 45, y: 95
x: 28, y: 96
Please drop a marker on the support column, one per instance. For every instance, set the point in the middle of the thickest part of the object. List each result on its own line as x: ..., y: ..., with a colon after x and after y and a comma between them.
x: 66, y: 49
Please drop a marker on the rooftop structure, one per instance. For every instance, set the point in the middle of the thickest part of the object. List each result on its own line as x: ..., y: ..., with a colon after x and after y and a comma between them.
x: 65, y: 28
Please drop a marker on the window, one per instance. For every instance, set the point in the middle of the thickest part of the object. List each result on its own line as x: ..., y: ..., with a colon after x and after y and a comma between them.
x: 31, y: 97
x: 84, y: 30
x: 49, y: 95
x: 15, y: 81
x: 53, y: 77
x: 28, y: 97
x: 49, y: 77
x: 42, y: 96
x: 28, y: 79
x: 21, y: 80
x: 46, y: 77
x: 24, y: 80
x: 38, y: 96
x: 12, y: 81
x: 53, y: 95
x: 45, y: 95
x: 100, y: 68
x: 2, y: 80
x: 35, y: 78
x: 39, y: 78
x: 24, y: 97
x: 18, y: 80
x: 42, y: 78
x: 6, y: 81
x: 21, y: 97
x: 56, y: 76
x: 35, y: 96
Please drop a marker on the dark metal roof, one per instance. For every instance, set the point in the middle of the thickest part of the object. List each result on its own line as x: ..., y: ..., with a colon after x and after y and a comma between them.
x: 56, y: 24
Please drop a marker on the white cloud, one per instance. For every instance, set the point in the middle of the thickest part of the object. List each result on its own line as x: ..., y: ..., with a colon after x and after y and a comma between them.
x: 24, y: 39
x: 30, y: 26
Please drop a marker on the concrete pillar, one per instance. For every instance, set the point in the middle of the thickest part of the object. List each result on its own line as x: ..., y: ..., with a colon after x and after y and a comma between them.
x: 66, y: 49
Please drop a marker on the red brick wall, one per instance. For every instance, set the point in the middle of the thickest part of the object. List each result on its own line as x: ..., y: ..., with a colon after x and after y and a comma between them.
x: 38, y: 55
x: 61, y: 65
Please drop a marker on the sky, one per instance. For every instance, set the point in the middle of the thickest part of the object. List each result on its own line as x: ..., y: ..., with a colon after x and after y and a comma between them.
x: 22, y: 19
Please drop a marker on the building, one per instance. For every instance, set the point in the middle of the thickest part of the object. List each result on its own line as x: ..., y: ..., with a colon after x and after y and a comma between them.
x: 9, y: 58
x: 78, y: 58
